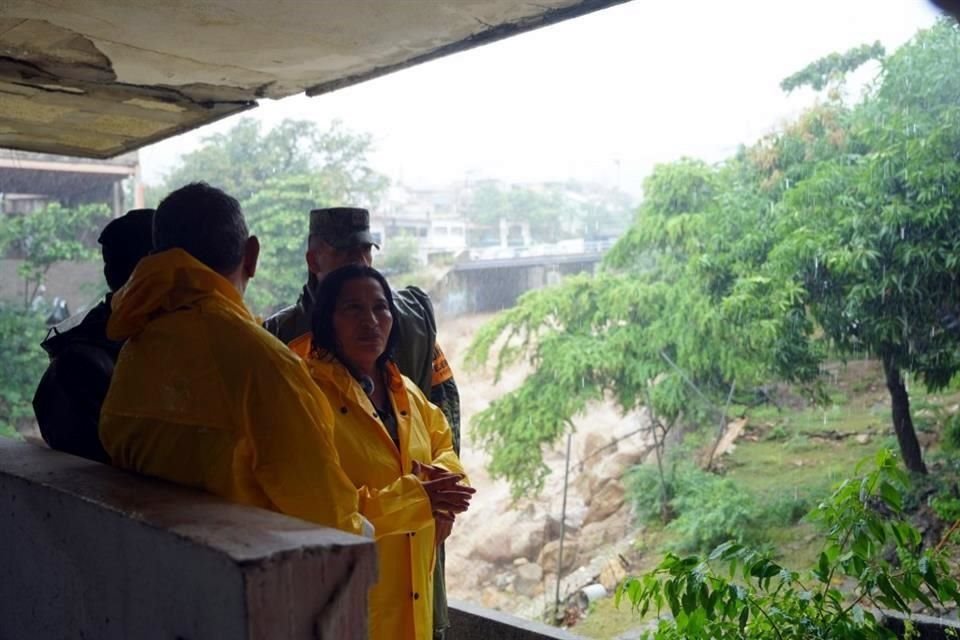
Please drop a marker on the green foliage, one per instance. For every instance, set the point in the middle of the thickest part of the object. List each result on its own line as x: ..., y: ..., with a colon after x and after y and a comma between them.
x: 712, y: 509
x: 738, y: 592
x: 668, y: 317
x: 836, y: 235
x: 950, y: 439
x: 833, y: 67
x: 645, y: 493
x: 947, y: 507
x: 244, y: 158
x: 278, y: 176
x: 400, y: 256
x: 787, y: 509
x: 22, y: 362
x: 41, y: 238
x: 278, y: 213
x: 706, y: 508
x: 50, y: 235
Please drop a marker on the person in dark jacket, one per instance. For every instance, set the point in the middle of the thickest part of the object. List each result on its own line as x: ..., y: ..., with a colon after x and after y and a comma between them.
x: 68, y: 399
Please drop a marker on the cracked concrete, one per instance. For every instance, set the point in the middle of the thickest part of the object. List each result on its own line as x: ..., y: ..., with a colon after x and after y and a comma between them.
x: 93, y: 76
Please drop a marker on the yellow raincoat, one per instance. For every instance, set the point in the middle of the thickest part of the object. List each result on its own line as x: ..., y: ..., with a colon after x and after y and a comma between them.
x: 203, y: 396
x: 391, y: 497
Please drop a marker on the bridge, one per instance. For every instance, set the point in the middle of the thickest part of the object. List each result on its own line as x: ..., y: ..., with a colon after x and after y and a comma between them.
x: 480, y: 286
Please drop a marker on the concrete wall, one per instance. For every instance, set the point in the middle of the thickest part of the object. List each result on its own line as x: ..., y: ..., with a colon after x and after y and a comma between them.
x: 88, y: 551
x: 470, y: 622
x: 925, y: 627
x: 79, y: 283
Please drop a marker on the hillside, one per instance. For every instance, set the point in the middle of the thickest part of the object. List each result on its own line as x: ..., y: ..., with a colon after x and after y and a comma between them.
x: 786, y: 458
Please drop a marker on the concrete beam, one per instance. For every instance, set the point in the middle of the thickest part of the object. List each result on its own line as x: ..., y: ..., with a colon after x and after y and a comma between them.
x: 89, y: 551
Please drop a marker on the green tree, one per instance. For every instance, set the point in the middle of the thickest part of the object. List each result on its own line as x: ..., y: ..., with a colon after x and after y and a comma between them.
x: 52, y: 234
x: 833, y: 68
x: 22, y: 362
x: 751, y: 595
x: 400, y: 256
x: 279, y: 175
x: 871, y: 235
x: 244, y: 158
x: 837, y: 236
x: 41, y: 238
x: 278, y: 214
x: 667, y: 322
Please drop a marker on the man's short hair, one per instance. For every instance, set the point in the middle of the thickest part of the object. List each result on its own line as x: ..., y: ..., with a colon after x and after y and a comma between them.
x: 123, y: 242
x: 205, y: 222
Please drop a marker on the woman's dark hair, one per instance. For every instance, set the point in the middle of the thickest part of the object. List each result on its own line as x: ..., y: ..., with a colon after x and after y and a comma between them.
x: 325, y: 304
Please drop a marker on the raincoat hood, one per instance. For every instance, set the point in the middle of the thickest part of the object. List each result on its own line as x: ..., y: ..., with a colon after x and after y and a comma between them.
x: 164, y: 282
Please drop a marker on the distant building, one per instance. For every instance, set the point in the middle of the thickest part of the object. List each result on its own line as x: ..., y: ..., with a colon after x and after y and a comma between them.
x: 431, y: 216
x: 29, y: 181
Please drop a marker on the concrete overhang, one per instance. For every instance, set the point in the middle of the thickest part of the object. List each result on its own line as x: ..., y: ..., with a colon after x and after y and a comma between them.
x: 96, y: 78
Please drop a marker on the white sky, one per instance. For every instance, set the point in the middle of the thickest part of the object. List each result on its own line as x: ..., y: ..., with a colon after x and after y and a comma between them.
x: 598, y: 98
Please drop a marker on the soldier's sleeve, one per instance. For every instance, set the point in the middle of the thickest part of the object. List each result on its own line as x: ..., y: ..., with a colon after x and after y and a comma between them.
x: 445, y: 394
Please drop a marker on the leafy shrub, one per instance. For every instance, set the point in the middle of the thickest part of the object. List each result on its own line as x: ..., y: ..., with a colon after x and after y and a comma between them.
x: 707, y: 508
x: 787, y: 509
x: 752, y: 596
x: 950, y: 440
x: 642, y: 483
x: 22, y: 362
x: 399, y: 256
x: 779, y: 432
x: 710, y: 510
x: 947, y: 507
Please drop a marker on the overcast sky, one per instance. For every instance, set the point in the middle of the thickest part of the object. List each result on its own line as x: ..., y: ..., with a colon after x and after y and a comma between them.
x: 600, y: 98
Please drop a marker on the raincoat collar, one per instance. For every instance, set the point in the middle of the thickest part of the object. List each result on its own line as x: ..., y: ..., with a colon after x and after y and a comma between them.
x: 326, y: 368
x: 166, y: 282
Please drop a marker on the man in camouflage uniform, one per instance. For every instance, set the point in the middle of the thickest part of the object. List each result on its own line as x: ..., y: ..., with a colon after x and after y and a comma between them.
x: 340, y: 236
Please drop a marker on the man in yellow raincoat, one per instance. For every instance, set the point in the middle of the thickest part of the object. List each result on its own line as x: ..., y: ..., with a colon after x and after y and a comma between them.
x: 201, y: 394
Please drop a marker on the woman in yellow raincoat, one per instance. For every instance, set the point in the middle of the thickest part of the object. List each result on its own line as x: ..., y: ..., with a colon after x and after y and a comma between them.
x: 393, y: 444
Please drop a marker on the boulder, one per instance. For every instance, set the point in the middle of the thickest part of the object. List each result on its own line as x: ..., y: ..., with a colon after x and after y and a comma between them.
x: 585, y: 482
x: 548, y: 557
x: 552, y: 526
x: 493, y: 598
x: 599, y: 534
x: 605, y: 502
x: 522, y: 539
x: 613, y: 573
x: 593, y: 443
x: 504, y: 581
x: 528, y: 580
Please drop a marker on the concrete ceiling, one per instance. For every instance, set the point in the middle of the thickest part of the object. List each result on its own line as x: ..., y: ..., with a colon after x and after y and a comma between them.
x: 96, y: 78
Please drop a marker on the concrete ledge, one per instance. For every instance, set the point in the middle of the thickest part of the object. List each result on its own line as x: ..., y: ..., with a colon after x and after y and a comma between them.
x: 89, y: 551
x: 926, y: 627
x: 471, y: 622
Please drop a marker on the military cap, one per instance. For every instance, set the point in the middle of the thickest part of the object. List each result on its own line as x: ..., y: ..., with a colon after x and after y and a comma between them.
x: 342, y: 227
